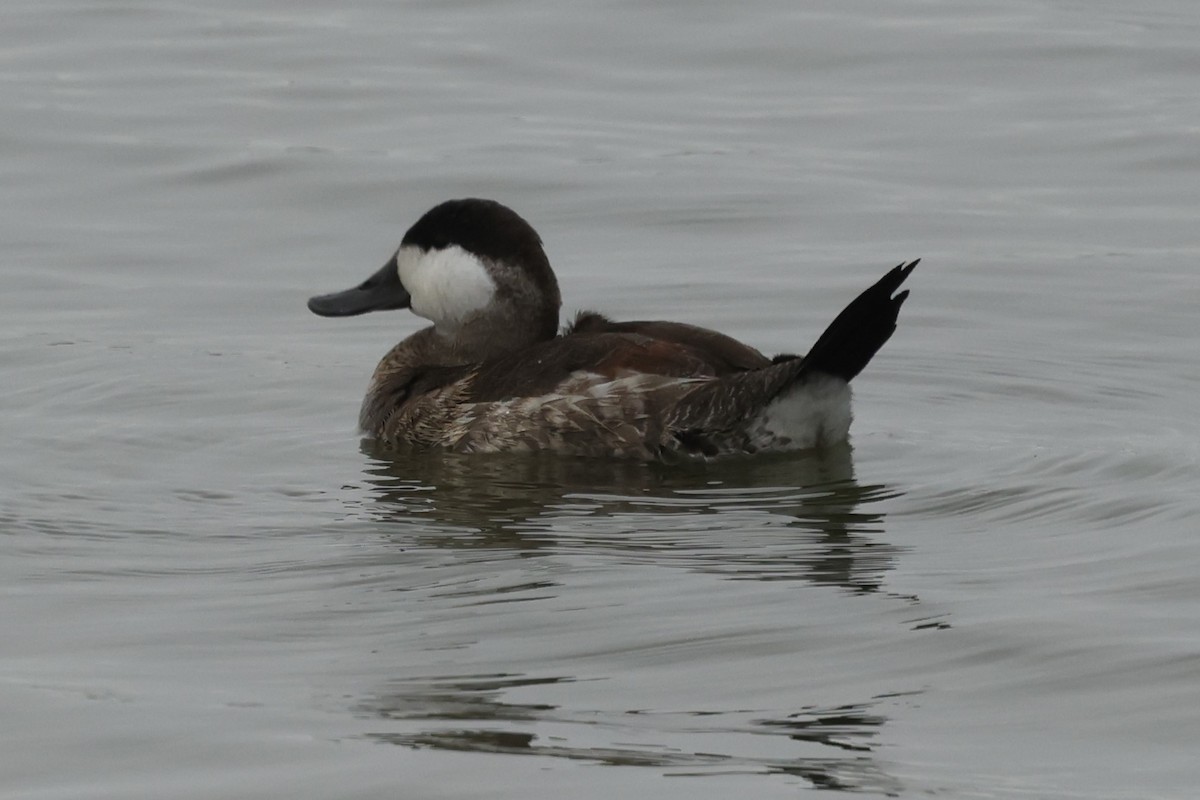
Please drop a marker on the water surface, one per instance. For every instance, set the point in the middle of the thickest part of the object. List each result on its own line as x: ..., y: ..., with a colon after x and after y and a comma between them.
x: 212, y: 587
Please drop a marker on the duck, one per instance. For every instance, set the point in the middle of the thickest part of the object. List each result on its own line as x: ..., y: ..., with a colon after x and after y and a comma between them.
x: 495, y: 373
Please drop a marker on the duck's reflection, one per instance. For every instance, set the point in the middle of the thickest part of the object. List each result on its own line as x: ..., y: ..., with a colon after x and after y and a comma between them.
x: 849, y: 731
x: 774, y: 518
x: 802, y: 517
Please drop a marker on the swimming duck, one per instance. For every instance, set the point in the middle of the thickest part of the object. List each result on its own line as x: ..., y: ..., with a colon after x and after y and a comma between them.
x: 494, y: 373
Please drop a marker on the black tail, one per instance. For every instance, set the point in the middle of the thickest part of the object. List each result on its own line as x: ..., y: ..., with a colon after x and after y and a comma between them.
x: 843, y: 350
x: 853, y: 339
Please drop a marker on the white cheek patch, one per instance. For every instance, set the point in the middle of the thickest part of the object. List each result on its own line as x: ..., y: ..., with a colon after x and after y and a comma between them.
x: 446, y: 286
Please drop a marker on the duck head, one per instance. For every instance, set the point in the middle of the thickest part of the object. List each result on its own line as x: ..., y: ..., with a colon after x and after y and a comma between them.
x: 472, y: 267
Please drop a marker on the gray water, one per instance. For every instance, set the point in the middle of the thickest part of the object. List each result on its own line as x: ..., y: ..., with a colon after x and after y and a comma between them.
x: 210, y: 587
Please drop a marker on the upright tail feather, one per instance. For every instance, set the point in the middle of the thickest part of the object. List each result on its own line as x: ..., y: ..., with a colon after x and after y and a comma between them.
x: 856, y: 335
x: 715, y: 413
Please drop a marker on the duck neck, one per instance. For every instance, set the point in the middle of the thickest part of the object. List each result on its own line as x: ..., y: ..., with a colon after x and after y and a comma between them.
x: 471, y: 343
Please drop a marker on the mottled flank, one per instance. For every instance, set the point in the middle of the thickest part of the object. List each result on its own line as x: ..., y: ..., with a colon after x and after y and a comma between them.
x: 588, y: 415
x: 491, y: 374
x: 637, y: 415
